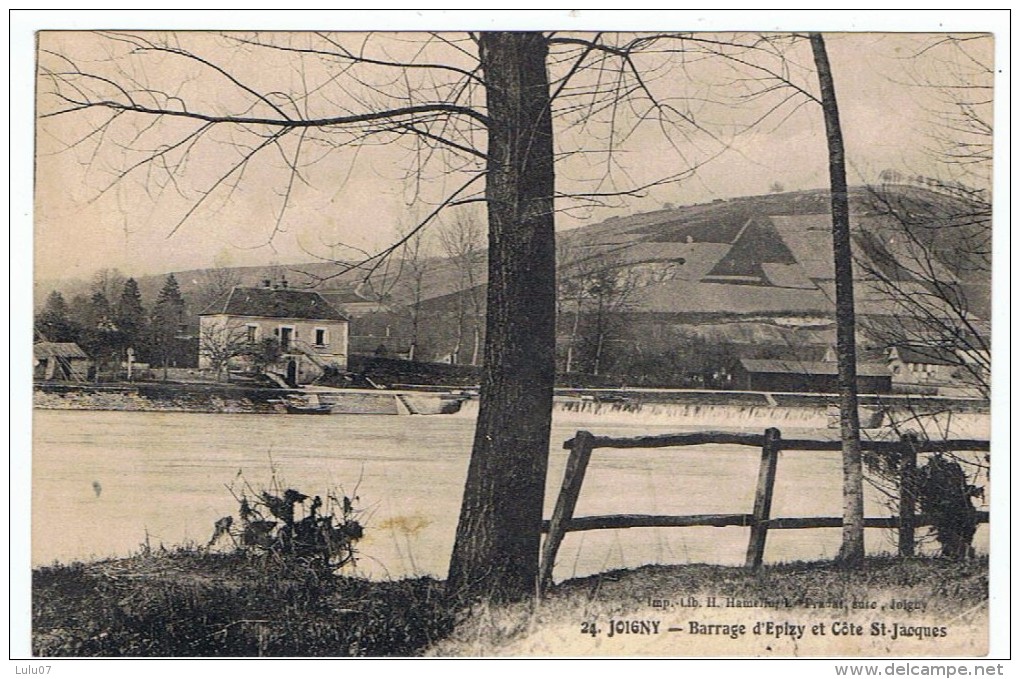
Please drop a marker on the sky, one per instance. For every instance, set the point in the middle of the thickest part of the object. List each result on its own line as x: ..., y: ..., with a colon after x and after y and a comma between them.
x: 362, y: 196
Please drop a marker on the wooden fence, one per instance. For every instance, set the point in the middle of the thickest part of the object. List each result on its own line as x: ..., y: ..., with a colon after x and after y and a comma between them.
x: 759, y: 520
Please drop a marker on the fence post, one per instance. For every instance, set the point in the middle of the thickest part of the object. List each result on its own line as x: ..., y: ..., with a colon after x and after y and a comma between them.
x: 577, y: 464
x: 908, y: 494
x: 763, y: 498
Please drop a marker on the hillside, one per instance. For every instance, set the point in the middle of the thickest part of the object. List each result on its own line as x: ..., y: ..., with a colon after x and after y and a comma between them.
x: 772, y: 254
x: 754, y: 258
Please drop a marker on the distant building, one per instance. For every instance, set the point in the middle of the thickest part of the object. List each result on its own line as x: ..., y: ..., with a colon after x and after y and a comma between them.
x: 60, y: 361
x: 925, y: 369
x: 354, y: 304
x: 807, y: 376
x: 312, y: 334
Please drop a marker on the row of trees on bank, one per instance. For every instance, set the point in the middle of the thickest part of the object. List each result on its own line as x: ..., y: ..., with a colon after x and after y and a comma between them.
x: 114, y: 320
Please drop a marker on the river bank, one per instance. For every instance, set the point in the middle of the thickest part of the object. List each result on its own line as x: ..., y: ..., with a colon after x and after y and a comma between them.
x: 157, y: 397
x: 758, y: 410
x: 238, y: 399
x: 192, y: 603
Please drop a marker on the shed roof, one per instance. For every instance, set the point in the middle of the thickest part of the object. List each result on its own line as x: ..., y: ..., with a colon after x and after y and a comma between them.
x: 58, y: 349
x: 275, y: 303
x: 929, y: 355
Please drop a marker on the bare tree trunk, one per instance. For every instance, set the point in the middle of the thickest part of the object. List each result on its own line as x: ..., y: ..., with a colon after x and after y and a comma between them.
x: 852, y: 549
x: 455, y: 356
x: 573, y: 335
x: 600, y: 333
x: 415, y: 312
x: 496, y: 551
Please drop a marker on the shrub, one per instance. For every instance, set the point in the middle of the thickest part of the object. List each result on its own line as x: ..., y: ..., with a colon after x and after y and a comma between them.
x: 945, y: 496
x: 322, y: 539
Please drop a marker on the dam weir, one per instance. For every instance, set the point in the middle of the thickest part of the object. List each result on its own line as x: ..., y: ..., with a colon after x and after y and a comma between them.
x: 932, y: 417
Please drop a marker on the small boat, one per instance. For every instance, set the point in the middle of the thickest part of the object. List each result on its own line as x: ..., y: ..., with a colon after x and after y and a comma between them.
x: 325, y: 401
x: 303, y: 405
x: 307, y: 409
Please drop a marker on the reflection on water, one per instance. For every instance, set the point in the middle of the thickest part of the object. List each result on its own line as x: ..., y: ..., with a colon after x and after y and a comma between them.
x: 105, y: 482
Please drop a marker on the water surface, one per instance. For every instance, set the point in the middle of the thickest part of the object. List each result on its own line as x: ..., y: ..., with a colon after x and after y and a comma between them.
x: 105, y: 483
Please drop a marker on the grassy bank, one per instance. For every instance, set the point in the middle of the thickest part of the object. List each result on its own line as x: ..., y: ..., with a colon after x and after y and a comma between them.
x: 188, y: 603
x: 575, y: 619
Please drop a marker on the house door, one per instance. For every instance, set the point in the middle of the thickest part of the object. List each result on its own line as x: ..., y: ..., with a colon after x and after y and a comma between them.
x: 292, y: 373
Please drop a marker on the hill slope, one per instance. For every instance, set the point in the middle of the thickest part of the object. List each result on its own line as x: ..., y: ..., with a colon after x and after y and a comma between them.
x: 767, y: 255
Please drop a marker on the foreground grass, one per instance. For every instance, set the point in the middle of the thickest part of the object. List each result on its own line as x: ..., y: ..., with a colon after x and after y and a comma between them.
x: 954, y: 593
x: 189, y: 603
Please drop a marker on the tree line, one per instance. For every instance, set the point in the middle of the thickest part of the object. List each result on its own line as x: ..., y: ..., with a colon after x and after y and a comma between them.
x: 113, y: 320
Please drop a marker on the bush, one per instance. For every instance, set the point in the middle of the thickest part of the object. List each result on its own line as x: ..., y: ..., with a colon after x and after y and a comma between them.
x: 319, y: 540
x: 275, y: 592
x: 945, y: 496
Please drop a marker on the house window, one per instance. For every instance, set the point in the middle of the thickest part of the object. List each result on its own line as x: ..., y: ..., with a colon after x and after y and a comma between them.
x: 252, y: 333
x: 321, y: 338
x: 286, y: 334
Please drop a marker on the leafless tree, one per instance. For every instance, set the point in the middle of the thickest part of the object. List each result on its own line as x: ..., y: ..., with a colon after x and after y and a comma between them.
x: 611, y: 292
x: 415, y: 259
x: 851, y: 550
x: 215, y: 284
x: 191, y: 118
x: 571, y: 270
x: 962, y: 139
x: 221, y: 343
x: 930, y: 266
x: 594, y: 289
x: 463, y: 242
x: 958, y: 70
x: 931, y: 263
x: 109, y: 283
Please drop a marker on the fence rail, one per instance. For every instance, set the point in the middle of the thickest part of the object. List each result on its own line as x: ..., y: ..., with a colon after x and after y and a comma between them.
x: 699, y: 438
x: 759, y: 520
x: 583, y: 523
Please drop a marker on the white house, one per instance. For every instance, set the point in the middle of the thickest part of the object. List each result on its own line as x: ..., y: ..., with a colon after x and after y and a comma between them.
x: 916, y: 368
x: 312, y: 334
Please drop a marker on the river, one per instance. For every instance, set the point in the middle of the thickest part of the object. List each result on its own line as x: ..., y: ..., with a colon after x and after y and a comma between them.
x: 104, y: 483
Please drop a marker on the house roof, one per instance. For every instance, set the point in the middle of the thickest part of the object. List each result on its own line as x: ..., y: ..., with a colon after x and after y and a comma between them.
x: 927, y: 355
x: 809, y: 367
x: 58, y: 349
x: 274, y: 303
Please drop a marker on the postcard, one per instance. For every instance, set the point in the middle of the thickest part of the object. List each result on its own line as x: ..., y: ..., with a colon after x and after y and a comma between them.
x: 670, y: 343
